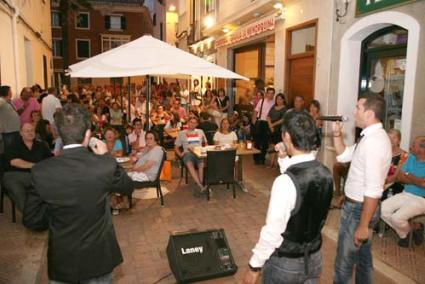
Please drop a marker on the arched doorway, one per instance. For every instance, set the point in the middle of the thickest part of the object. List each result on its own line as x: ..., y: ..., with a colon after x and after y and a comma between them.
x: 350, y: 63
x: 382, y: 70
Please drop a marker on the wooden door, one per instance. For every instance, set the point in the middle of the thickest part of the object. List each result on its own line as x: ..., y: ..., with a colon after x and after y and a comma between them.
x: 301, y: 79
x: 300, y: 61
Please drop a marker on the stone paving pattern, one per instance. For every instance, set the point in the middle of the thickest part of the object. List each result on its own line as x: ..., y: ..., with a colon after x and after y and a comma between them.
x: 144, y: 230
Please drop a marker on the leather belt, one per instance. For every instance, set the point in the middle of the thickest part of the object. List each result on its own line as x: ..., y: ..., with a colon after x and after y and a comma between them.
x: 348, y: 199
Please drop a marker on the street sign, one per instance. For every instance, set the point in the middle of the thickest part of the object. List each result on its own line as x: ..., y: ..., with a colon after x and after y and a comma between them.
x: 369, y: 6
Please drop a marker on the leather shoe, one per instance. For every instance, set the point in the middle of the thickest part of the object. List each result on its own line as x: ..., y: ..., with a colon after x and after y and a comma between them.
x: 418, y: 235
x: 404, y: 243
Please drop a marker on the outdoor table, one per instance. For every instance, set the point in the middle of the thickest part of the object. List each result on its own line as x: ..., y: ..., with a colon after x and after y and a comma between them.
x: 241, y: 152
x: 125, y: 162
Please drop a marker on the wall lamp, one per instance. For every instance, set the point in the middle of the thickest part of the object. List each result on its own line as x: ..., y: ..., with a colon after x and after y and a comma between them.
x: 341, y: 14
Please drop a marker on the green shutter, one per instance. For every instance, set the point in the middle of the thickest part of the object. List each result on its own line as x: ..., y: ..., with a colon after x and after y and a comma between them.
x: 123, y: 23
x: 107, y: 22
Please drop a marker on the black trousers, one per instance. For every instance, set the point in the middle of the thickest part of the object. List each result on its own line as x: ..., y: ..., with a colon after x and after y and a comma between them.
x: 261, y: 140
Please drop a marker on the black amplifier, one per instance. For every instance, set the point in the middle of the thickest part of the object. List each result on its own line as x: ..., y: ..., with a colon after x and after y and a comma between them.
x: 197, y: 256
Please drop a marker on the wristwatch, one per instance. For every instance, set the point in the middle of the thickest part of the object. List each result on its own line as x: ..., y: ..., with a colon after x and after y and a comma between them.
x: 254, y: 269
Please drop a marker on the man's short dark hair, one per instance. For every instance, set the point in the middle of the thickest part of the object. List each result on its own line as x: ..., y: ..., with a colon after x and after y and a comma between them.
x: 270, y: 89
x: 376, y: 103
x: 136, y: 120
x: 302, y: 129
x: 204, y: 115
x: 4, y: 91
x: 72, y: 122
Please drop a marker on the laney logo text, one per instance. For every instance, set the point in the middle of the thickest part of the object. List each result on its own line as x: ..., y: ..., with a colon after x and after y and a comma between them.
x: 192, y: 250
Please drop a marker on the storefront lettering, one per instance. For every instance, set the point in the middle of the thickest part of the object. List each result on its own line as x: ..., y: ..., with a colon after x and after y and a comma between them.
x: 247, y: 32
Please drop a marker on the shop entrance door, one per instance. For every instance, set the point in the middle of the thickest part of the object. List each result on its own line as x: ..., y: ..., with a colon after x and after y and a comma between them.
x: 249, y: 61
x: 383, y: 70
x: 300, y: 61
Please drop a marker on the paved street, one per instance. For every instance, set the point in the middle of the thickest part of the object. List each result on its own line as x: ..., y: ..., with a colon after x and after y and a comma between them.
x: 144, y: 230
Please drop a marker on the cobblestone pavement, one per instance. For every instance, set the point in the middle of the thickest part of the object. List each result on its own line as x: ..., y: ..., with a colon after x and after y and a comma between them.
x: 144, y: 230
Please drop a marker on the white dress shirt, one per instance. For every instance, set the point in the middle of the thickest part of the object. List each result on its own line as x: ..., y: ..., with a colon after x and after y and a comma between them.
x: 282, y: 202
x: 48, y: 107
x: 370, y: 162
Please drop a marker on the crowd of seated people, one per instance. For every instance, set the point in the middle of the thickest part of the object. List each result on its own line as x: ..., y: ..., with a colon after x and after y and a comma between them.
x: 123, y: 121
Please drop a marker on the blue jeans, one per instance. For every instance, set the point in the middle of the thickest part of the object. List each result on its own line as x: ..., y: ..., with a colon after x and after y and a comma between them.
x: 348, y: 255
x: 292, y: 270
x: 103, y: 279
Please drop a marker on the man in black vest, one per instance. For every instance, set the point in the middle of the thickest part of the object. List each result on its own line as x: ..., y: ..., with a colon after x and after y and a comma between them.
x: 299, y: 202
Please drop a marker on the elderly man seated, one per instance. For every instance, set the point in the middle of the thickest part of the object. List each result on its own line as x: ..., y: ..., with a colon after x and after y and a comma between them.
x: 20, y: 158
x: 398, y: 209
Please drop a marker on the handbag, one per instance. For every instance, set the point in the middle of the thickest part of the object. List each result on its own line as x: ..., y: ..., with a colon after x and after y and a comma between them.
x: 166, y: 171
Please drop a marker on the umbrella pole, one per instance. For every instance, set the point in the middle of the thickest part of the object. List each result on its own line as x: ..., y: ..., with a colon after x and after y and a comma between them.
x: 129, y: 99
x: 122, y: 102
x: 200, y: 90
x: 148, y: 99
x: 115, y: 84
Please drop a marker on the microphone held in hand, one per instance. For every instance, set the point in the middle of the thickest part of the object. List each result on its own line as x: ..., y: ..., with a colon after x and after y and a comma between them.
x: 342, y: 118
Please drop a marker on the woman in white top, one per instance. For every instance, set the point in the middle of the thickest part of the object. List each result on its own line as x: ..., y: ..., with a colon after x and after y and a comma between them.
x: 224, y: 135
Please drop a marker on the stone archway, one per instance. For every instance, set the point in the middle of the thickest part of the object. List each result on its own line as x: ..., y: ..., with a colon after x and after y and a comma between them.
x: 350, y: 66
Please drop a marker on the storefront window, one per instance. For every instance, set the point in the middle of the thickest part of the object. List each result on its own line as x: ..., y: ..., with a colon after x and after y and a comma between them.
x: 383, y: 70
x: 255, y: 62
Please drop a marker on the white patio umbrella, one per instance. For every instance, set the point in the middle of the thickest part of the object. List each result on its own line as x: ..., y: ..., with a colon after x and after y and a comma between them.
x: 147, y: 56
x: 151, y: 57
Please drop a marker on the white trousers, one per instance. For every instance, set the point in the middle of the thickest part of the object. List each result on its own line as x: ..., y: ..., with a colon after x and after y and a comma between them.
x: 398, y: 209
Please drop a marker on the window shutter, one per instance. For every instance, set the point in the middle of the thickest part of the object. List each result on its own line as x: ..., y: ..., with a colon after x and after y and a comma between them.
x: 123, y: 23
x: 107, y: 22
x: 60, y: 48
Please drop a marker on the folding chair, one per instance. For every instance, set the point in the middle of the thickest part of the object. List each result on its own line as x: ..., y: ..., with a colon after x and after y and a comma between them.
x: 220, y: 169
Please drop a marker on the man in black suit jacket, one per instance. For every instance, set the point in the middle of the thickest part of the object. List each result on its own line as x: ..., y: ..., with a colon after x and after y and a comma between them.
x: 70, y: 197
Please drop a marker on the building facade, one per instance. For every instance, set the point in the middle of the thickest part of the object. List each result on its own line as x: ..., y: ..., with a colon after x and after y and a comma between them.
x: 330, y: 52
x: 104, y: 25
x: 281, y: 44
x: 25, y: 52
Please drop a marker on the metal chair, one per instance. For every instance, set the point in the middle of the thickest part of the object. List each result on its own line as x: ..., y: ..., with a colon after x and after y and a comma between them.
x: 420, y: 219
x: 156, y: 183
x: 210, y: 136
x: 183, y: 168
x: 3, y: 192
x: 220, y: 168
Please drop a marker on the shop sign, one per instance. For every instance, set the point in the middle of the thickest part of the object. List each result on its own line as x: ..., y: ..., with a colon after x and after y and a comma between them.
x: 369, y: 6
x: 251, y: 30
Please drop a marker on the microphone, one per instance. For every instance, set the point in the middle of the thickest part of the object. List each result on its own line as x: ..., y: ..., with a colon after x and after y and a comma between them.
x: 342, y: 118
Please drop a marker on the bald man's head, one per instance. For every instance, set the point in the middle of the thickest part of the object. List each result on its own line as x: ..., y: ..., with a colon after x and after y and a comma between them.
x: 27, y: 132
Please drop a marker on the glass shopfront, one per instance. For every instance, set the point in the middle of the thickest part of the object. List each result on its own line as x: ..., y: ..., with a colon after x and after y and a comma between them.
x: 383, y: 70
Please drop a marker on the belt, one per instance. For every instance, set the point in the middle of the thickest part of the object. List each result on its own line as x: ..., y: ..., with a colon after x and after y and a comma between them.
x: 348, y: 199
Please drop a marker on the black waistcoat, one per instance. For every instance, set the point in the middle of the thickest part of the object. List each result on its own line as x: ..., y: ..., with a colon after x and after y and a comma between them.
x: 314, y: 185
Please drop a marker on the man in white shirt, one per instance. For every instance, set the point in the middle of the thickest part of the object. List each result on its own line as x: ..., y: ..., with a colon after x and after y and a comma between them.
x: 261, y: 126
x: 370, y: 161
x: 299, y: 202
x: 50, y: 105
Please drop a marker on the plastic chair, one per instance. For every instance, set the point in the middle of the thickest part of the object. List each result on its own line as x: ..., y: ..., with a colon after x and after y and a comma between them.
x: 220, y: 169
x: 156, y: 183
